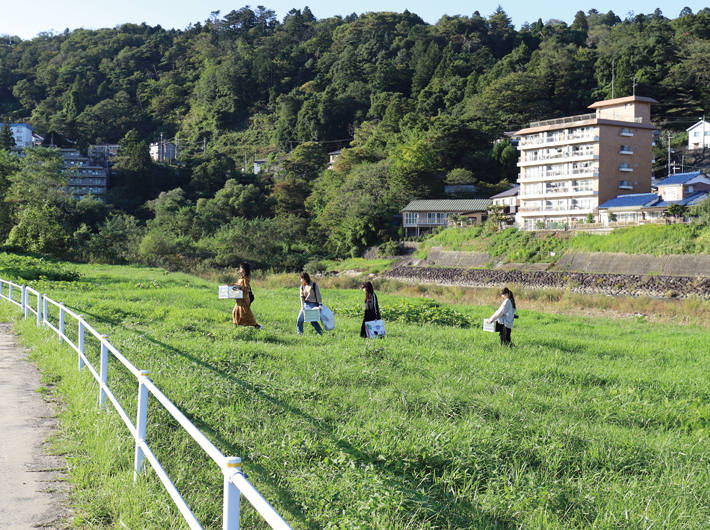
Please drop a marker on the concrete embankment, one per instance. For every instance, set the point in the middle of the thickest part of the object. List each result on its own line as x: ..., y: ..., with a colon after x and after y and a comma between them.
x: 578, y: 282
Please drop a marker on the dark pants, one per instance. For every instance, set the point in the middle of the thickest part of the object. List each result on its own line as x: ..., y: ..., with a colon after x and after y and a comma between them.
x: 504, y: 335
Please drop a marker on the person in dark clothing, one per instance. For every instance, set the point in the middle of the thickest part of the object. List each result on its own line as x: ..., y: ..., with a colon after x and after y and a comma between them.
x: 372, y: 308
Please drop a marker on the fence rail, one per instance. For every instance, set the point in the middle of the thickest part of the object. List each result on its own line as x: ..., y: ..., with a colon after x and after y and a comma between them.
x: 235, y: 482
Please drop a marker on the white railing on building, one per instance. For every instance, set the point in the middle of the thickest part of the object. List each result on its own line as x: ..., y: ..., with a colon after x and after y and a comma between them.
x: 235, y: 482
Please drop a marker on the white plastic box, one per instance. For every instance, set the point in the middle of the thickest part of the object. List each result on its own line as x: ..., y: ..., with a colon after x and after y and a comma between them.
x: 311, y: 315
x: 489, y: 327
x: 230, y: 291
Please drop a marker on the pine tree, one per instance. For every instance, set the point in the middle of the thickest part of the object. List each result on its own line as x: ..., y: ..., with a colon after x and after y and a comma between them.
x: 7, y: 140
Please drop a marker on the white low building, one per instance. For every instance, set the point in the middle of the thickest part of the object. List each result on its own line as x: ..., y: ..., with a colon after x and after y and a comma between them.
x: 699, y: 135
x: 22, y: 133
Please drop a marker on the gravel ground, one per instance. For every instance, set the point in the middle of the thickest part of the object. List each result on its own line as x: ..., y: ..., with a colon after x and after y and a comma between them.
x: 32, y: 486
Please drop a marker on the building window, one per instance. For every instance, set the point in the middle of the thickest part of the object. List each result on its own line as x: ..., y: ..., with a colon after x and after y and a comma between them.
x: 411, y: 218
x: 625, y: 166
x: 436, y: 218
x: 670, y: 193
x: 626, y: 149
x: 696, y: 133
x: 625, y: 184
x: 626, y: 132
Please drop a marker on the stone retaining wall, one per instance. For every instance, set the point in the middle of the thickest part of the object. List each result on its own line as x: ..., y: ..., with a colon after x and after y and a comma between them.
x: 578, y: 282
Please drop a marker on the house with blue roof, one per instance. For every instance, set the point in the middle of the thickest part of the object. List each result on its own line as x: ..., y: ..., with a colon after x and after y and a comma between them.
x: 686, y: 189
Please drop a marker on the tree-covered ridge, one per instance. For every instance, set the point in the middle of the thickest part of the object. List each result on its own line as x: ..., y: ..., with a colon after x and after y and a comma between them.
x: 415, y: 104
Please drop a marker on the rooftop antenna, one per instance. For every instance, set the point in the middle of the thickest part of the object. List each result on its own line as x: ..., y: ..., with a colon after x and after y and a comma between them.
x: 634, y: 86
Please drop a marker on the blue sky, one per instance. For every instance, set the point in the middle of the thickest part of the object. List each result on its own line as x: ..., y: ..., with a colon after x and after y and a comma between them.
x: 27, y: 19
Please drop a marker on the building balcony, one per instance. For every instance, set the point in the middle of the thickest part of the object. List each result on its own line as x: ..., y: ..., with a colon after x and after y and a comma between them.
x: 552, y: 175
x: 562, y: 158
x: 561, y: 192
x: 562, y: 139
x: 557, y: 210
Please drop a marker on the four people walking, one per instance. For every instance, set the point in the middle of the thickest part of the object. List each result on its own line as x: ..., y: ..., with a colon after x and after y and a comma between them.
x: 310, y: 299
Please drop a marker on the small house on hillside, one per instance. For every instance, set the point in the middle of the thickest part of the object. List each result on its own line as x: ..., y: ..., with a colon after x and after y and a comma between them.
x: 422, y: 216
x: 332, y: 158
x: 685, y: 189
x: 699, y: 135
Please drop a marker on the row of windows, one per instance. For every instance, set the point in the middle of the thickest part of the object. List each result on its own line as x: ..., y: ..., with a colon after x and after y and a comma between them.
x: 431, y: 218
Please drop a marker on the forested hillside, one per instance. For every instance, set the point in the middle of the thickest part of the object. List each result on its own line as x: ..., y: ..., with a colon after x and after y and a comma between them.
x: 414, y: 105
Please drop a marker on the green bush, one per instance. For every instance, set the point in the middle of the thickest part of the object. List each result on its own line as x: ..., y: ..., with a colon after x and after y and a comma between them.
x: 389, y: 248
x: 312, y: 267
x: 420, y: 312
x: 28, y: 268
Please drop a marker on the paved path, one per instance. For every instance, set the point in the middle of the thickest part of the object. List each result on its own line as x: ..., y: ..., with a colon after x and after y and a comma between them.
x: 31, y: 485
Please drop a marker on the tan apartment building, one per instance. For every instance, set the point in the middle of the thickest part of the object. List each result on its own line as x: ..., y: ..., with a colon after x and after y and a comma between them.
x: 569, y: 166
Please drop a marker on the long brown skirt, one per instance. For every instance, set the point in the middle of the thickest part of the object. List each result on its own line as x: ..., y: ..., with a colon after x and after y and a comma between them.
x: 242, y: 315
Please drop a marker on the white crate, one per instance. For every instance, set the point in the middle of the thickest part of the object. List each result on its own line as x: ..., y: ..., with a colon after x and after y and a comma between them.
x: 312, y: 315
x: 489, y: 327
x: 230, y: 291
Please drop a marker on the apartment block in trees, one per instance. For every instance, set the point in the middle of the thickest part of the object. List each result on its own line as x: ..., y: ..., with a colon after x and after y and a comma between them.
x: 569, y: 166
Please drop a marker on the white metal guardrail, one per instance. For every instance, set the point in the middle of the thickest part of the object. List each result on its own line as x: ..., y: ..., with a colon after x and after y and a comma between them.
x: 235, y: 481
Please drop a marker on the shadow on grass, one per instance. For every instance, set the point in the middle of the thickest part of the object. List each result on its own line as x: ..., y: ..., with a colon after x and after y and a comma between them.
x: 393, y: 476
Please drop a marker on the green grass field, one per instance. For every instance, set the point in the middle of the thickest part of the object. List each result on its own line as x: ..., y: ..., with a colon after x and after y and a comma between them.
x: 587, y: 423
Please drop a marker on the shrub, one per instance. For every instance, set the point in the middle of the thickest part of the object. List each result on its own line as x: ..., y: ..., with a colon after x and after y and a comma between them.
x: 34, y: 269
x: 389, y: 248
x: 312, y: 267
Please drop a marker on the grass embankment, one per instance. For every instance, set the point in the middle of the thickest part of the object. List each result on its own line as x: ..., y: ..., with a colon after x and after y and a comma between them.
x: 587, y: 423
x: 532, y: 247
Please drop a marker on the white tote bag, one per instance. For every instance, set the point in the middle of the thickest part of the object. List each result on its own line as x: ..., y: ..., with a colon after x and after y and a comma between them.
x: 327, y: 318
x: 375, y: 329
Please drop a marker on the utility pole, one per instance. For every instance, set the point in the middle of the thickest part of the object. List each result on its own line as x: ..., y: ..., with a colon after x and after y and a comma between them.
x: 703, y: 139
x: 161, y: 149
x: 634, y: 87
x: 204, y: 146
x: 669, y: 154
x: 612, y: 78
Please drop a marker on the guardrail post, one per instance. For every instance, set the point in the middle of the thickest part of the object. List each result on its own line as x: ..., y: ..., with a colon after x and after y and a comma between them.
x: 44, y: 311
x: 230, y: 514
x: 104, y: 370
x: 24, y: 300
x: 10, y: 295
x: 81, y: 341
x: 61, y: 322
x: 39, y: 310
x: 141, y: 422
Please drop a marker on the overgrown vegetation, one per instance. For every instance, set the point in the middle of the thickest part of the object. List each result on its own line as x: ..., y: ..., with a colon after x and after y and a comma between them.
x: 517, y: 246
x: 14, y: 267
x: 581, y: 425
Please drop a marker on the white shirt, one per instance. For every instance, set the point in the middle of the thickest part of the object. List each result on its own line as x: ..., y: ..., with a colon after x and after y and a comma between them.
x: 505, y: 314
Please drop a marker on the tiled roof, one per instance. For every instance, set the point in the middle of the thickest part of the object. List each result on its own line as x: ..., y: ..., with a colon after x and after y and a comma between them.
x: 449, y: 205
x: 632, y: 199
x: 690, y: 200
x: 679, y: 178
x: 515, y: 190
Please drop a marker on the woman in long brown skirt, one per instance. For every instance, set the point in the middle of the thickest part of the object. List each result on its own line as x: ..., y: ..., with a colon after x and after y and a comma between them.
x: 241, y: 314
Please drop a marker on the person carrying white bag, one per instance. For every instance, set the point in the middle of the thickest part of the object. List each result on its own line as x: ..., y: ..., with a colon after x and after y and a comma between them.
x: 372, y: 324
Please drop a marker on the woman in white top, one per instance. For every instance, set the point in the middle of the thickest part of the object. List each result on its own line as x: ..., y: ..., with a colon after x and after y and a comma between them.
x: 505, y: 317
